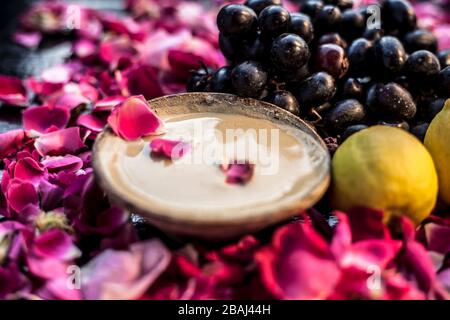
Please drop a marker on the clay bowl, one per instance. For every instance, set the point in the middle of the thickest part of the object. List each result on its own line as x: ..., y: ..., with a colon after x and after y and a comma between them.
x: 220, y: 223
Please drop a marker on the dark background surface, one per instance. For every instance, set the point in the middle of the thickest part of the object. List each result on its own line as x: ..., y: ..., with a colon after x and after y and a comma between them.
x: 18, y: 61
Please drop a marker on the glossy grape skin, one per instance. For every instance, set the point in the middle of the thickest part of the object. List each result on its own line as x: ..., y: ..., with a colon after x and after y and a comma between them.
x: 420, y: 130
x: 352, y: 89
x: 284, y: 99
x: 401, y: 124
x: 332, y: 38
x: 344, y: 114
x: 274, y: 21
x: 352, y: 130
x: 294, y: 77
x: 237, y: 20
x: 444, y: 81
x: 302, y: 26
x: 332, y: 59
x: 433, y: 108
x: 352, y: 24
x: 315, y: 90
x: 420, y: 40
x: 289, y: 51
x: 241, y: 49
x: 249, y: 79
x: 221, y: 81
x: 373, y: 34
x: 311, y: 7
x: 260, y: 5
x: 398, y: 16
x: 444, y: 58
x: 341, y: 4
x: 391, y: 101
x: 390, y: 54
x: 198, y: 81
x: 327, y: 19
x: 421, y: 65
x: 360, y: 54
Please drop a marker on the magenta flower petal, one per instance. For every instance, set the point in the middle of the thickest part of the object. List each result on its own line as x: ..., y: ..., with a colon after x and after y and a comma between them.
x: 45, y: 117
x: 298, y: 264
x: 70, y: 101
x: 12, y: 141
x: 55, y: 244
x: 134, y: 118
x: 238, y: 173
x: 30, y: 40
x: 66, y: 163
x: 183, y: 62
x: 21, y: 194
x: 443, y: 35
x: 437, y: 237
x: 59, y: 142
x: 13, y: 281
x: 144, y: 80
x: 124, y: 275
x: 367, y: 223
x: 30, y: 170
x: 169, y: 148
x: 85, y: 49
x: 12, y: 91
x: 57, y: 74
x: 91, y: 122
x: 108, y: 103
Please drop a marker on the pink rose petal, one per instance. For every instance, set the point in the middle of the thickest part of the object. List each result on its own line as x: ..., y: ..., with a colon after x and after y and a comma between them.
x: 66, y: 163
x: 298, y: 264
x: 437, y: 237
x: 143, y: 80
x: 21, y: 194
x: 119, y: 275
x: 30, y: 170
x: 12, y: 91
x: 91, y: 122
x: 169, y: 148
x: 12, y: 141
x: 134, y: 118
x: 30, y: 40
x: 43, y: 118
x: 108, y: 103
x: 59, y: 142
x: 238, y: 173
x: 55, y: 244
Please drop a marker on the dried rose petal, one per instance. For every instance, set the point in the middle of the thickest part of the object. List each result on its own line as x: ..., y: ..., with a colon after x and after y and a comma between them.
x: 68, y: 162
x: 21, y: 194
x: 108, y: 103
x: 28, y: 169
x: 171, y: 149
x: 59, y: 142
x: 144, y: 80
x: 57, y: 244
x: 121, y: 275
x: 30, y: 40
x: 91, y: 122
x: 84, y: 49
x: 437, y: 237
x: 238, y: 173
x: 12, y: 141
x: 134, y: 118
x: 12, y: 91
x: 43, y: 118
x: 298, y: 264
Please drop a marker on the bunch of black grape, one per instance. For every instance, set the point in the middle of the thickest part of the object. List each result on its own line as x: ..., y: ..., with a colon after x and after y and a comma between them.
x: 329, y: 66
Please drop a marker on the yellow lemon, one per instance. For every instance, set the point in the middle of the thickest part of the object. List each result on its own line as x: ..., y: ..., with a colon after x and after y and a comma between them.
x: 437, y: 141
x: 384, y: 168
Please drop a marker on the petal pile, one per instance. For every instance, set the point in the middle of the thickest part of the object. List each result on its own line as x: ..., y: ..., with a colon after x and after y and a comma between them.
x: 56, y: 223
